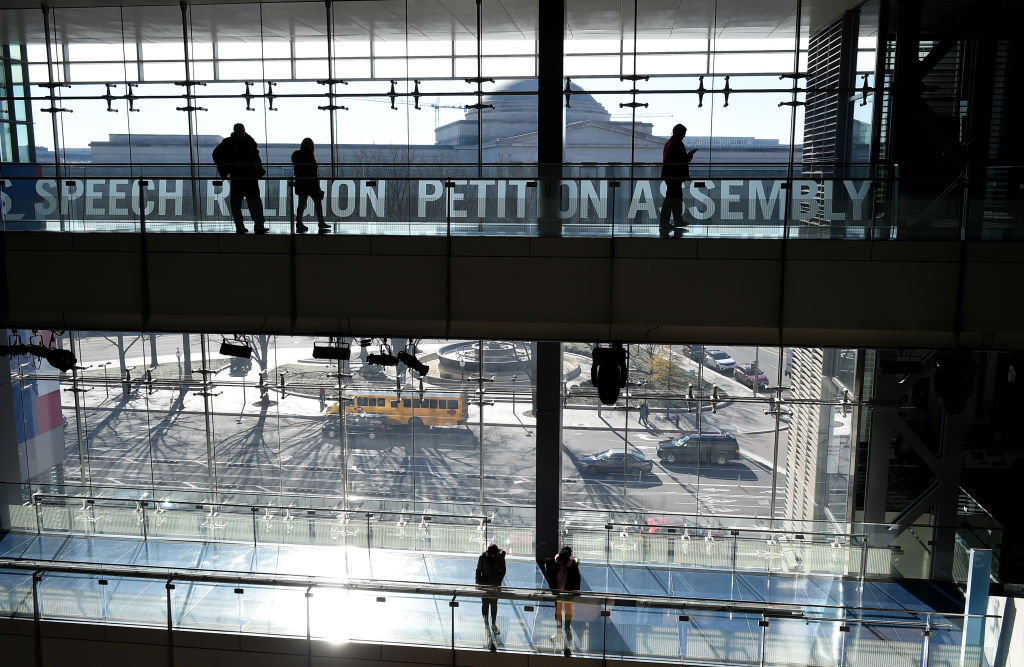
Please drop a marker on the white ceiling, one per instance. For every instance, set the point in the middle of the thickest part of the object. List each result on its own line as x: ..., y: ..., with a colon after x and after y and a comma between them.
x: 98, y: 21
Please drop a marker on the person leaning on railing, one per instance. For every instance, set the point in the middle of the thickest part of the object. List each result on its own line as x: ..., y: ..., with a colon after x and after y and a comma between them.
x: 490, y: 572
x: 563, y: 576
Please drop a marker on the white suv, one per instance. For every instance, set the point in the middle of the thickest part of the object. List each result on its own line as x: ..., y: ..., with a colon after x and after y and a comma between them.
x: 719, y: 360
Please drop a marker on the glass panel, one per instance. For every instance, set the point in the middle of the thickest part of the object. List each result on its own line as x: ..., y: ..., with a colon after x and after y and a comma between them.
x: 16, y: 601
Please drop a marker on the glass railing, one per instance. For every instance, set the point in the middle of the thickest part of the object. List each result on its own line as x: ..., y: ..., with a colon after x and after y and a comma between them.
x: 338, y: 611
x: 583, y: 200
x: 726, y: 543
x: 853, y: 201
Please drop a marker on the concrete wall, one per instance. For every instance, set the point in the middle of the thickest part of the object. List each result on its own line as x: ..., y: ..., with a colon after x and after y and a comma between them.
x: 798, y: 292
x: 70, y: 644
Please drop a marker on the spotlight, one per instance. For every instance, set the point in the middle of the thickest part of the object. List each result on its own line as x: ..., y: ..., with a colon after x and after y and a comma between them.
x: 235, y: 348
x: 608, y: 372
x: 340, y: 352
x: 381, y: 359
x: 62, y: 360
x: 413, y: 363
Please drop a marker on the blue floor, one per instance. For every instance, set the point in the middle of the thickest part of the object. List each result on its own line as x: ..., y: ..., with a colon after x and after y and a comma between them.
x: 400, y: 565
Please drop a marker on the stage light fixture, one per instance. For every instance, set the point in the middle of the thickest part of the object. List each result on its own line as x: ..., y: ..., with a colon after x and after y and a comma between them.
x: 608, y: 372
x: 336, y: 351
x: 62, y: 360
x: 413, y: 363
x: 382, y: 359
x: 235, y: 348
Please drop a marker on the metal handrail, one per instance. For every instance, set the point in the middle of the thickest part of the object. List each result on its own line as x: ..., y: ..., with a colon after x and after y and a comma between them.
x: 784, y: 610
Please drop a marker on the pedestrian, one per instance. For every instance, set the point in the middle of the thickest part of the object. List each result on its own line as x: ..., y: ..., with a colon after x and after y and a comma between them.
x: 490, y: 572
x: 675, y: 170
x: 563, y: 576
x: 645, y: 413
x: 238, y: 160
x: 323, y: 398
x: 307, y: 186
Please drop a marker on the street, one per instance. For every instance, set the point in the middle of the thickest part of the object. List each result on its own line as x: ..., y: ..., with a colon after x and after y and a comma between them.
x: 155, y: 438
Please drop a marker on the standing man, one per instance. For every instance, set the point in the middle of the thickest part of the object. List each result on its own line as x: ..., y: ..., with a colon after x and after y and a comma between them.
x: 238, y: 159
x: 490, y: 572
x: 563, y: 576
x: 675, y: 170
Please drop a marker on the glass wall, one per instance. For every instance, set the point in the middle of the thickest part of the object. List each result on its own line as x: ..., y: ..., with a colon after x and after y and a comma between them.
x: 701, y: 431
x: 713, y: 455
x: 424, y: 118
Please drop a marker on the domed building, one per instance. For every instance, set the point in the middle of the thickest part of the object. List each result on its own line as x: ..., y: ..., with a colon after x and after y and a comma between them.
x: 510, y: 129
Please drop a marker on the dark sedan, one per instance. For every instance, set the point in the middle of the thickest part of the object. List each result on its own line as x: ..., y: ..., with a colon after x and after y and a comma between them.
x: 614, y: 460
x: 745, y: 373
x: 361, y: 425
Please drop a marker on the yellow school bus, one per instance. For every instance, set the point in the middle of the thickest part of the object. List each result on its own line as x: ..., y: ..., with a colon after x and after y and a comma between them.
x: 416, y: 408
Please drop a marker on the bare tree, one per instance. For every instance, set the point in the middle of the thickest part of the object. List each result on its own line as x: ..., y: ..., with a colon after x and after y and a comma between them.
x: 122, y: 353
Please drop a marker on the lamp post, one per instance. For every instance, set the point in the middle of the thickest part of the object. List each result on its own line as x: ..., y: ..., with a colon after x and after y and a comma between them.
x: 756, y: 369
x: 106, y: 387
x: 513, y: 394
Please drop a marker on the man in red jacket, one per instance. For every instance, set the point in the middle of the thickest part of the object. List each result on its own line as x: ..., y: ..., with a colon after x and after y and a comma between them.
x: 675, y: 170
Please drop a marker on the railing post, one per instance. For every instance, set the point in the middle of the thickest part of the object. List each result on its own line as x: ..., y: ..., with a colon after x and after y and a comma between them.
x: 369, y: 533
x: 926, y: 644
x: 170, y: 625
x: 863, y: 561
x: 36, y: 619
x: 452, y: 604
x: 309, y: 630
x: 763, y: 623
x: 608, y: 543
x: 39, y: 518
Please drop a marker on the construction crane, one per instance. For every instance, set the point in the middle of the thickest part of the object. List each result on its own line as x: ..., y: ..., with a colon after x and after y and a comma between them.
x: 437, y: 110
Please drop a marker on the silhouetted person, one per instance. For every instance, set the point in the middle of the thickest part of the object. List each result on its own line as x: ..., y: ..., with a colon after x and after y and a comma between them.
x: 307, y: 185
x: 490, y: 572
x: 238, y: 160
x: 675, y: 170
x: 563, y: 576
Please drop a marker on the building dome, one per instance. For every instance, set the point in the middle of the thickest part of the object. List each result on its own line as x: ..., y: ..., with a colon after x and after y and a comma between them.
x: 519, y: 98
x: 515, y: 114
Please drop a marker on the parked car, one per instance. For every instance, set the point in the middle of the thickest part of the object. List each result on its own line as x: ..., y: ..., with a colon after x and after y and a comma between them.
x: 695, y: 352
x: 719, y: 448
x: 357, y: 424
x: 744, y: 373
x: 719, y: 360
x: 612, y: 461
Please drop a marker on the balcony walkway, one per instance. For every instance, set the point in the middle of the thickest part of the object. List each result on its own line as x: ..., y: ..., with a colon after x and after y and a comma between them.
x: 822, y: 620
